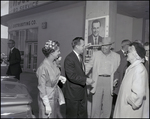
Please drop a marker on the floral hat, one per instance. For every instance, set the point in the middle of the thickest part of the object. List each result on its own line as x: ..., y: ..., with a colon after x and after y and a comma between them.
x: 50, y: 44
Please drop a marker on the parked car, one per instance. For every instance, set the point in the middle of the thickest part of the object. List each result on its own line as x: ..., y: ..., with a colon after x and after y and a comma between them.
x: 15, y: 99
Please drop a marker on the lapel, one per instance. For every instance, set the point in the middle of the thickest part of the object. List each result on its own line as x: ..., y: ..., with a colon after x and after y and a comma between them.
x: 92, y: 40
x: 12, y: 51
x: 9, y: 54
x: 77, y: 60
x: 133, y: 65
x: 82, y: 63
x: 121, y: 54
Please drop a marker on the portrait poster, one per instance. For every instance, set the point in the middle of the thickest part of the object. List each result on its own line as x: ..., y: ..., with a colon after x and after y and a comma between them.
x: 95, y: 30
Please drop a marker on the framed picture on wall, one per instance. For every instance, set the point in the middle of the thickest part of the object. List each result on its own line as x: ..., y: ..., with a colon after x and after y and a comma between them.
x: 95, y: 30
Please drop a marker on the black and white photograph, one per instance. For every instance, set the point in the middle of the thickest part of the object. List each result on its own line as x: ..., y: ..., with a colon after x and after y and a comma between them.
x: 95, y: 30
x: 74, y: 59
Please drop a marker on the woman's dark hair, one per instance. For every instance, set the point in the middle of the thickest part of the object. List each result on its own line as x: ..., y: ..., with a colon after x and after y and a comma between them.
x: 146, y: 44
x: 139, y: 49
x: 49, y: 50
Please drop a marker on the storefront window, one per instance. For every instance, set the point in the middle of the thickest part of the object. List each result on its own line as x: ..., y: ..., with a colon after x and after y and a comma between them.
x: 32, y: 34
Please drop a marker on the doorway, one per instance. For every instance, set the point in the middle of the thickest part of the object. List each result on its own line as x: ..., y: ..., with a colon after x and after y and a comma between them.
x: 31, y: 56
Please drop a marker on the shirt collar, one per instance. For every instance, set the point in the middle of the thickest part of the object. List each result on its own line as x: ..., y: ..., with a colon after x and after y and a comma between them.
x: 12, y: 48
x: 95, y: 37
x: 122, y: 51
x: 133, y: 64
x: 107, y: 54
x: 76, y: 53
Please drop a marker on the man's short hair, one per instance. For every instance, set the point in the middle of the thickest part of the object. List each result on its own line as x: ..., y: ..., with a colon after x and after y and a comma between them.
x: 12, y: 41
x: 125, y: 42
x: 96, y: 21
x: 76, y: 41
x: 139, y: 41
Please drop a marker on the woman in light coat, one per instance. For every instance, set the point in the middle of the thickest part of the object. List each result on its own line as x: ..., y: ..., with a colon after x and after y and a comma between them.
x: 48, y: 73
x: 133, y: 96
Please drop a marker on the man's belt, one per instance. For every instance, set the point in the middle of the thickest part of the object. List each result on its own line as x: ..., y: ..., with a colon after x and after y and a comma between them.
x: 104, y: 75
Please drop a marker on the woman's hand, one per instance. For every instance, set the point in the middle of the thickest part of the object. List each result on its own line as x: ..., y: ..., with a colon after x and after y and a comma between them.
x: 130, y: 102
x: 48, y: 110
x: 62, y: 79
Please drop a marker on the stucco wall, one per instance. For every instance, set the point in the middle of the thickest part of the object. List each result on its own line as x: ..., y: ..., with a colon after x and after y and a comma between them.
x: 4, y: 46
x: 137, y: 29
x: 127, y: 28
x: 68, y: 22
x: 146, y: 31
x: 64, y: 24
x: 123, y: 29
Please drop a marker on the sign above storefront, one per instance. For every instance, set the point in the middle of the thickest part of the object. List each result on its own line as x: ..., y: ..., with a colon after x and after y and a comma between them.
x: 16, y: 6
x: 23, y: 24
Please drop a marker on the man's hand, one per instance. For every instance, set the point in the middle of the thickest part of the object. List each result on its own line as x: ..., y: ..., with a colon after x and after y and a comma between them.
x: 6, y: 62
x: 115, y: 82
x: 89, y: 81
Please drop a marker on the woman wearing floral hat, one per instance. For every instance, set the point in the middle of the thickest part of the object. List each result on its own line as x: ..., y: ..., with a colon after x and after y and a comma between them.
x: 50, y: 95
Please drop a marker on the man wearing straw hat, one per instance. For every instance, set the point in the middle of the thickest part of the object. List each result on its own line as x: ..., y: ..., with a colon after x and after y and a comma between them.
x: 103, y: 63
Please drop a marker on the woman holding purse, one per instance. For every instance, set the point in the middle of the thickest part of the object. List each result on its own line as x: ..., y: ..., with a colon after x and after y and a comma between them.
x: 50, y: 95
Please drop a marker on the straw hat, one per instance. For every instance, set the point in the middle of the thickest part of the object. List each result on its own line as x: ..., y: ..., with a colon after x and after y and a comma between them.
x: 106, y: 41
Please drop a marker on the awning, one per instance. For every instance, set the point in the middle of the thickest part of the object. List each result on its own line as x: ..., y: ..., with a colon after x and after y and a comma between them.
x: 34, y: 10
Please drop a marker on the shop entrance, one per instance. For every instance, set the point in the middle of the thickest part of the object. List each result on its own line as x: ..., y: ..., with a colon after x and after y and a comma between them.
x: 31, y: 56
x: 26, y: 40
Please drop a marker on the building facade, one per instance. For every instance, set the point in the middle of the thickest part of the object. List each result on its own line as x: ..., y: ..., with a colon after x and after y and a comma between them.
x: 32, y: 23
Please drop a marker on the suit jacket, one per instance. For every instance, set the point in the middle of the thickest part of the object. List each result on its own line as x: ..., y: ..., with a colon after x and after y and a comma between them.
x: 75, y: 86
x: 14, y: 62
x: 119, y: 74
x: 95, y: 63
x: 90, y: 39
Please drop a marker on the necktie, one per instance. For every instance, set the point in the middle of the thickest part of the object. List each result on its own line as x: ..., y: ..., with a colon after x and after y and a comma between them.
x: 81, y: 61
x: 96, y: 41
x: 9, y: 54
x: 125, y: 54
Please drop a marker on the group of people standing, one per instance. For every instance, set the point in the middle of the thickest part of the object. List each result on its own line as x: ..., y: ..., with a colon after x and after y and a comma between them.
x: 110, y: 71
x: 117, y: 80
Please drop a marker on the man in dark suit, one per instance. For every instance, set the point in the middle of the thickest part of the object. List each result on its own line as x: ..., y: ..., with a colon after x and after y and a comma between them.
x: 94, y: 38
x: 75, y: 91
x: 14, y: 68
x: 146, y: 47
x: 119, y: 74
